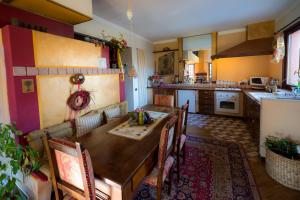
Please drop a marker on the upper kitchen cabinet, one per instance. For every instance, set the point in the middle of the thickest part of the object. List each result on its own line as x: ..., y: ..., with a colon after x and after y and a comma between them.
x: 67, y: 11
x: 57, y: 51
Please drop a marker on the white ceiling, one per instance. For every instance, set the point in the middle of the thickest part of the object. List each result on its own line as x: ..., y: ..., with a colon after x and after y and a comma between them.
x: 165, y: 19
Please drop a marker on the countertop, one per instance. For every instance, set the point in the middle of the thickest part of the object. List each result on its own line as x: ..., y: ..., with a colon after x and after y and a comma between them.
x: 213, y: 87
x: 280, y: 94
x: 256, y: 95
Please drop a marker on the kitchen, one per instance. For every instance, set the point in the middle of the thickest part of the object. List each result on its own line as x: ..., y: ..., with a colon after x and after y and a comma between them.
x: 164, y: 100
x: 236, y: 81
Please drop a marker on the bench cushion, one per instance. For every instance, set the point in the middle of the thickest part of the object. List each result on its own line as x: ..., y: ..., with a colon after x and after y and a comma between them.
x: 87, y: 123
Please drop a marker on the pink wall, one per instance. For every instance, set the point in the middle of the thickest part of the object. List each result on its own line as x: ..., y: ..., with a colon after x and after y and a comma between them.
x: 54, y: 27
x: 18, y: 50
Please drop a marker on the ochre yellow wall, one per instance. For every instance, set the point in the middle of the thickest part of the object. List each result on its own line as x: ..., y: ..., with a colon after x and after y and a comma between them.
x: 241, y: 68
x: 204, y: 59
x: 56, y: 51
x: 53, y: 92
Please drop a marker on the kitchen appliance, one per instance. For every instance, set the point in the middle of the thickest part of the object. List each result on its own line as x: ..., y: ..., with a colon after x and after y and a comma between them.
x: 259, y: 82
x: 184, y: 95
x: 228, y: 103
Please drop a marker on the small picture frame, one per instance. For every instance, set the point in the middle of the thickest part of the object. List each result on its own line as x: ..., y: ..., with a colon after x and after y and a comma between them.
x: 27, y: 85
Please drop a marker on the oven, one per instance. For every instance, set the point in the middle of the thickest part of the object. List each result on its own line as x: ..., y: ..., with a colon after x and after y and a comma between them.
x: 228, y: 103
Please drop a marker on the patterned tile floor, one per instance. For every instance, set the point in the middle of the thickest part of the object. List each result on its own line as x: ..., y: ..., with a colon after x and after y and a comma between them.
x: 226, y: 129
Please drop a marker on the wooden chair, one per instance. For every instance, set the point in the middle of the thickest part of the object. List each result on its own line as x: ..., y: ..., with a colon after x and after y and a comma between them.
x: 164, y: 100
x: 165, y: 163
x: 71, y: 170
x: 181, y: 135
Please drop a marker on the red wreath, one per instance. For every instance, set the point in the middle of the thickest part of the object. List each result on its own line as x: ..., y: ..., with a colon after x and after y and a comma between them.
x: 79, y: 100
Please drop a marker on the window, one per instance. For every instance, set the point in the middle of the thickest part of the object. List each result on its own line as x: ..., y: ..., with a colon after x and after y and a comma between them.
x: 191, y: 71
x: 210, y: 71
x: 292, y: 60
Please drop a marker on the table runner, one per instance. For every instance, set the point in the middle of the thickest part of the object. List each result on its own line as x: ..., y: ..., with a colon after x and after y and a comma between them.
x: 138, y: 132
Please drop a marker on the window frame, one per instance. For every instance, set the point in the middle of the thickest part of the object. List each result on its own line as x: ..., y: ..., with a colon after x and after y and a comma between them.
x: 287, y: 32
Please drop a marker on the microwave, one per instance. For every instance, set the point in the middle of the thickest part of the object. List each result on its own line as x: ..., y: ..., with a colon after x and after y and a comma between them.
x: 259, y: 81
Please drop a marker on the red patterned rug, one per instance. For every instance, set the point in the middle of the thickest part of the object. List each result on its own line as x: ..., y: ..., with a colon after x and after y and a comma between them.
x: 213, y: 170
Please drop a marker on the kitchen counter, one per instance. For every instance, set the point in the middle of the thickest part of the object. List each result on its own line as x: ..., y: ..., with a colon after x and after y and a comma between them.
x: 257, y: 95
x: 213, y: 87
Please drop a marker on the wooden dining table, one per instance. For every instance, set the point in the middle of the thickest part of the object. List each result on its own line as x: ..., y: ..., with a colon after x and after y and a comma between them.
x: 122, y: 163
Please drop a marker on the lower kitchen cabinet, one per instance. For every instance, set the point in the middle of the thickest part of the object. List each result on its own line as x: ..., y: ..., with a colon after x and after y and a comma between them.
x: 252, y: 117
x: 206, y: 102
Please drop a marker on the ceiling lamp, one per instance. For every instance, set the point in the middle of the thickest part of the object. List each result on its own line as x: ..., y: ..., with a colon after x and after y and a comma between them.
x: 129, y: 10
x: 129, y: 14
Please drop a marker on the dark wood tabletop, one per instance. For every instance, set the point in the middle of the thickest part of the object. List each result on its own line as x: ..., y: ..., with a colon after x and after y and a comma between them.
x: 117, y: 158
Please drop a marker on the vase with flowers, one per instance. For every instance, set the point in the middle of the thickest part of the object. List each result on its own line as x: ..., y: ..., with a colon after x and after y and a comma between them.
x: 140, y: 117
x: 117, y: 45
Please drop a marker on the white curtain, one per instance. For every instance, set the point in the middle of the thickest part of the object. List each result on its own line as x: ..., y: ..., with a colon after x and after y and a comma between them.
x: 142, y: 77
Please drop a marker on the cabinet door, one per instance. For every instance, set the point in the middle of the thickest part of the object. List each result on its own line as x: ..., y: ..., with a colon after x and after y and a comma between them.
x: 206, y: 102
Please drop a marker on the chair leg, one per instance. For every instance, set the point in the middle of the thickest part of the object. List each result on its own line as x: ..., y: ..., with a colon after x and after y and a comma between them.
x: 158, y: 193
x: 170, y: 179
x: 178, y: 165
x: 183, y: 151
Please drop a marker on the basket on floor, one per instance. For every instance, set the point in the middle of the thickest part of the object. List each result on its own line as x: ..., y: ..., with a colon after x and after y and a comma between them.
x: 284, y: 170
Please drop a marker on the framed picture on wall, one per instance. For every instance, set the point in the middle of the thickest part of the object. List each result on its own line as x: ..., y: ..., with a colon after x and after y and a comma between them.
x: 27, y: 85
x: 165, y: 63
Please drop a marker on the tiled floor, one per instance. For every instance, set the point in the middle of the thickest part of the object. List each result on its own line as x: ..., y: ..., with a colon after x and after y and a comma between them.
x: 226, y: 129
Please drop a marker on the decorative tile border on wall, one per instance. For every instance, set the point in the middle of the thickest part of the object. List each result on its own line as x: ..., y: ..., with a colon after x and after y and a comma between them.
x: 33, y: 71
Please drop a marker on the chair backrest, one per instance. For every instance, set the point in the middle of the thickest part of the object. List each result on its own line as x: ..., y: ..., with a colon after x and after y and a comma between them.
x: 167, y: 141
x: 184, y: 117
x: 164, y: 100
x: 71, y: 169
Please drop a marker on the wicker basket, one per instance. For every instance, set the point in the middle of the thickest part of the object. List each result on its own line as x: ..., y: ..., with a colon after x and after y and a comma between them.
x: 283, y: 170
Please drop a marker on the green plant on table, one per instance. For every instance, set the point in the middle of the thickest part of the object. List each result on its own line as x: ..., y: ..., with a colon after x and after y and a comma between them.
x: 15, y: 158
x: 282, y: 146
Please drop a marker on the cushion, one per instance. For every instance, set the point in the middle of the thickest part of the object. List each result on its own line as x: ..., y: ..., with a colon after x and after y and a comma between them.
x: 152, y: 178
x: 112, y: 112
x: 124, y: 108
x: 183, y: 120
x: 182, y: 140
x: 87, y: 123
x: 170, y: 137
x: 69, y: 169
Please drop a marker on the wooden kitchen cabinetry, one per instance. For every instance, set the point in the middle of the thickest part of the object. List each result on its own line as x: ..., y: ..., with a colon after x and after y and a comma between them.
x: 252, y: 117
x: 206, y: 101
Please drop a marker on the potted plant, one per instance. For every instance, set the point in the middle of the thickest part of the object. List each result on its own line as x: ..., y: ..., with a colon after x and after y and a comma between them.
x: 283, y: 161
x: 14, y: 158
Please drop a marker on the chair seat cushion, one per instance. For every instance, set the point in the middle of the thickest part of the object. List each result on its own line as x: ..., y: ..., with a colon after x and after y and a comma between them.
x: 152, y: 178
x: 182, y: 140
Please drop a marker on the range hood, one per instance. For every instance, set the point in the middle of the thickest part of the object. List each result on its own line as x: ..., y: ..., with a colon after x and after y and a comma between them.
x: 248, y: 48
x: 259, y: 42
x: 191, y: 56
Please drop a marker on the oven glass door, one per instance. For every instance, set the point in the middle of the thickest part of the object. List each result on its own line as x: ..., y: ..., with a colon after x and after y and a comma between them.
x: 228, y: 106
